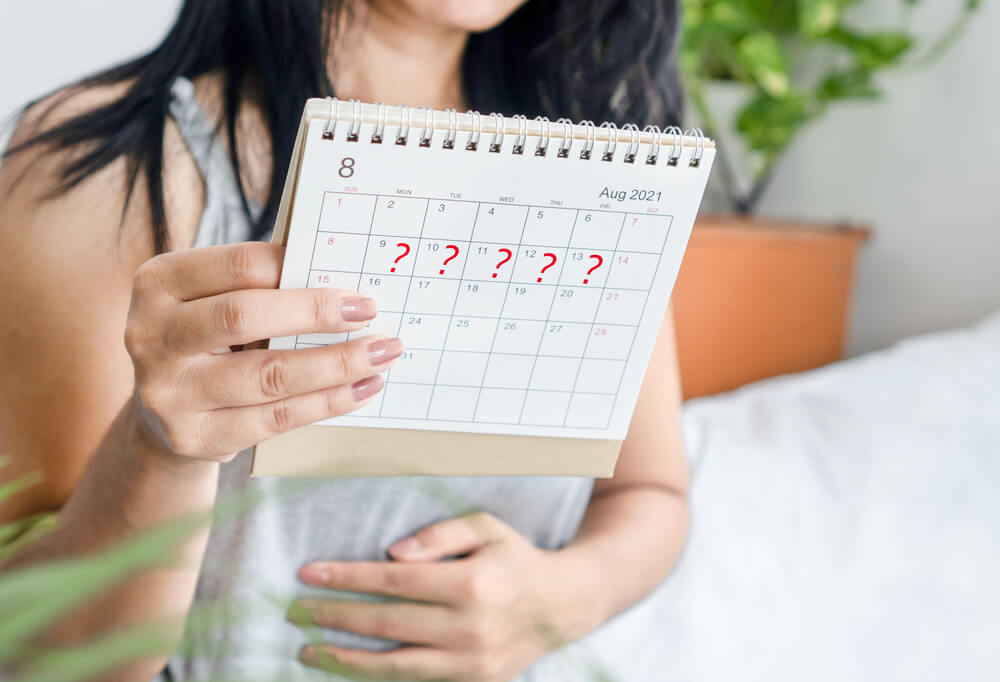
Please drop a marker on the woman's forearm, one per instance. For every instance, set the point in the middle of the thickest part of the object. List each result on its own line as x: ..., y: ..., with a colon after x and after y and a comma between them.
x: 129, y: 486
x: 630, y: 539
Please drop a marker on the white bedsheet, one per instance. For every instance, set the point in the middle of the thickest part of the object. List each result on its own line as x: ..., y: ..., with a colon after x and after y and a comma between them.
x: 846, y: 526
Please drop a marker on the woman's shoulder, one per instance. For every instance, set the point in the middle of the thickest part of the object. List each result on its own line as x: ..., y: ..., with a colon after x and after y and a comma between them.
x: 67, y: 260
x: 38, y: 198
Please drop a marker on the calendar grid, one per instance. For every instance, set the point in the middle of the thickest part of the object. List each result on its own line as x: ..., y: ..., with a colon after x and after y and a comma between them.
x: 518, y: 319
x: 493, y: 341
x: 468, y: 201
x: 312, y: 254
x: 451, y: 318
x: 306, y: 344
x: 491, y: 243
x: 600, y: 427
x: 539, y: 390
x: 510, y: 365
x: 399, y: 327
x: 597, y: 311
x: 487, y: 281
x: 364, y: 257
x: 631, y: 346
x: 541, y: 338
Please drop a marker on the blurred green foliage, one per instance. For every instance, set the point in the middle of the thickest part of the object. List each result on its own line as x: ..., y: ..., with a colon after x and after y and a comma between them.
x: 795, y: 58
x: 39, y: 595
x: 34, y: 598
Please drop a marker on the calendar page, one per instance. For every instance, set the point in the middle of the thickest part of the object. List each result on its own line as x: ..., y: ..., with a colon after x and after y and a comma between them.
x: 528, y: 290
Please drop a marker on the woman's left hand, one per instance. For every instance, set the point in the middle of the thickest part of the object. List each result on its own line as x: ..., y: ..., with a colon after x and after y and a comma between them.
x: 484, y: 617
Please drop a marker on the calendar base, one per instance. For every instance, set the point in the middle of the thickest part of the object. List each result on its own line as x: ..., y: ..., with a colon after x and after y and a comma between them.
x: 342, y: 452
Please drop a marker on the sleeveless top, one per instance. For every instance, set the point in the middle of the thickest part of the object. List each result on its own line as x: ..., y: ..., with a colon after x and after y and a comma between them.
x: 268, y: 528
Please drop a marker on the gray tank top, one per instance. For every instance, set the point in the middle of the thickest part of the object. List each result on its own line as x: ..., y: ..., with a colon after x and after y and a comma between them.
x: 237, y: 628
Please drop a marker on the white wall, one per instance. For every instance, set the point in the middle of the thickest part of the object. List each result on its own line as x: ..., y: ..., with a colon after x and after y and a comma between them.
x: 46, y: 43
x: 921, y: 166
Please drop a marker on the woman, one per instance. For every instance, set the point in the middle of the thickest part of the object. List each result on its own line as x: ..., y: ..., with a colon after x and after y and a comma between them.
x: 131, y: 377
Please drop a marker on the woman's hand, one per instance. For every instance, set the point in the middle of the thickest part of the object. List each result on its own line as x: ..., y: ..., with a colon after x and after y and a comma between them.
x: 484, y: 617
x: 196, y: 398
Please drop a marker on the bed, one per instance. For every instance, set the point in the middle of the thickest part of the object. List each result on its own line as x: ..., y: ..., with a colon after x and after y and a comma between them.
x: 846, y: 526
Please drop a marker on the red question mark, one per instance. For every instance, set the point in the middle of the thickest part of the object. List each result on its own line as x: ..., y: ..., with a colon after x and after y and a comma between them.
x: 551, y: 263
x: 449, y: 258
x: 600, y: 261
x: 509, y: 256
x: 400, y: 256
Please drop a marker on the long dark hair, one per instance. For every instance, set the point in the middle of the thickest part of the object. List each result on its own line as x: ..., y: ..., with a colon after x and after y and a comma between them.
x: 605, y: 60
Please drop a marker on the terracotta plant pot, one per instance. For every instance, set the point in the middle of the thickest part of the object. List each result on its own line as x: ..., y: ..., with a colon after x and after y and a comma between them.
x: 756, y: 298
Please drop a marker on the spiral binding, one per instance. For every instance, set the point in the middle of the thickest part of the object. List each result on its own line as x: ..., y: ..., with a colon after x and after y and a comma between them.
x: 428, y: 132
x: 477, y: 130
x: 567, y: 139
x: 452, y: 132
x: 560, y: 133
x: 543, y: 139
x: 522, y: 133
x: 675, y: 147
x: 379, y: 130
x: 496, y: 143
x: 588, y: 145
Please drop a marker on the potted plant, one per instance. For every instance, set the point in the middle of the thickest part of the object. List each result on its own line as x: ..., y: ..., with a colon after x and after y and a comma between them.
x: 759, y: 297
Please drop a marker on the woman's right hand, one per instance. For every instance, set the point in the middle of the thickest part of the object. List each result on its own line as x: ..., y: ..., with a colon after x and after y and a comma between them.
x: 197, y: 398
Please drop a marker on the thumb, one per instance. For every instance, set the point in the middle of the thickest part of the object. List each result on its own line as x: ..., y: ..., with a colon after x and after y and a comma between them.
x: 450, y: 538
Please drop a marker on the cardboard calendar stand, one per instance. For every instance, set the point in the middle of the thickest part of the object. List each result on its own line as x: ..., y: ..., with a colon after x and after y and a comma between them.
x: 345, y: 451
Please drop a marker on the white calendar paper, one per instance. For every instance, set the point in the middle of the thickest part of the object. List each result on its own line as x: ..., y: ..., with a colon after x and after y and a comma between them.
x: 527, y: 289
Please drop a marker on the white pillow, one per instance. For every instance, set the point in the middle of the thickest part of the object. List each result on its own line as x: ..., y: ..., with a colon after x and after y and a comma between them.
x: 846, y: 526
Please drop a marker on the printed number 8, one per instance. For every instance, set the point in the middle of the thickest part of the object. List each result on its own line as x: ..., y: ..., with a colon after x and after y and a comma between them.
x: 346, y: 167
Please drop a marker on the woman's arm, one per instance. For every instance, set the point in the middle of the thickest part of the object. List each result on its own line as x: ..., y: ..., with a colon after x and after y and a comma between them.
x: 117, y: 383
x: 66, y: 379
x: 637, y: 522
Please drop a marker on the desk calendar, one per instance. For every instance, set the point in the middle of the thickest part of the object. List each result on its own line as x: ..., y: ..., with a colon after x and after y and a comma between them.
x: 526, y: 265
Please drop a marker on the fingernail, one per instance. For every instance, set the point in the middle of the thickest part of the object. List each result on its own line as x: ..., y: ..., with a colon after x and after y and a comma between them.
x: 385, y: 350
x: 314, y: 574
x: 405, y: 546
x: 358, y: 309
x: 299, y: 614
x: 316, y: 656
x: 366, y: 388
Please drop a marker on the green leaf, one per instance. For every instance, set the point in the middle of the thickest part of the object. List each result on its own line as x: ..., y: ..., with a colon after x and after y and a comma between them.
x: 13, y: 533
x: 769, y: 123
x: 729, y: 16
x: 874, y: 50
x: 33, y: 598
x: 17, y: 534
x: 854, y: 84
x: 764, y: 60
x: 99, y: 656
x: 816, y: 17
x: 886, y: 47
x: 692, y: 15
x: 11, y: 488
x: 774, y: 16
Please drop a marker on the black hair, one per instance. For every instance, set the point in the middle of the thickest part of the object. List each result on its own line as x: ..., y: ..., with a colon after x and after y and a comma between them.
x: 604, y: 60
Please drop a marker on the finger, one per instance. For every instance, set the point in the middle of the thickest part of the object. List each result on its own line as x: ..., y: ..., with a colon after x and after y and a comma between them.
x: 417, y: 582
x: 231, y: 429
x: 412, y: 623
x: 206, y: 271
x: 263, y: 376
x: 405, y: 663
x: 453, y: 537
x: 239, y: 317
